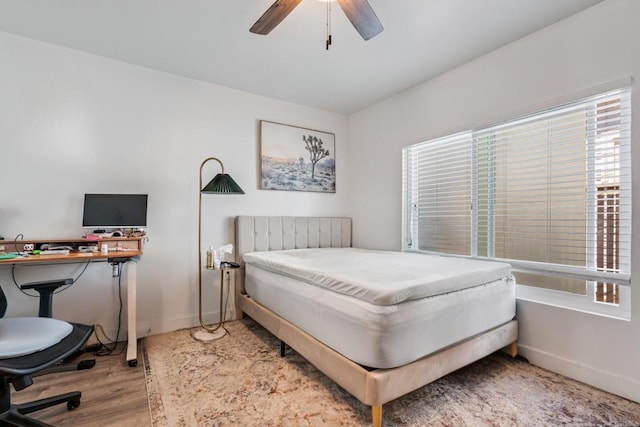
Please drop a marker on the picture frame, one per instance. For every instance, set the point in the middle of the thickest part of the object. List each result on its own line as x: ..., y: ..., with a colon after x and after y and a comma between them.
x: 294, y: 158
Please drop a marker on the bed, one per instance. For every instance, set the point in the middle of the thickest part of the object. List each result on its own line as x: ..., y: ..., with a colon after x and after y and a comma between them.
x: 356, y: 314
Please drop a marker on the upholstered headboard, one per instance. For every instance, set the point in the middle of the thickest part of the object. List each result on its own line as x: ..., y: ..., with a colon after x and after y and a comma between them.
x: 273, y: 233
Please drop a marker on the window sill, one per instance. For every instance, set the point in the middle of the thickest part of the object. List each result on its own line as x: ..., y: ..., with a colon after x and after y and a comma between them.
x: 581, y: 303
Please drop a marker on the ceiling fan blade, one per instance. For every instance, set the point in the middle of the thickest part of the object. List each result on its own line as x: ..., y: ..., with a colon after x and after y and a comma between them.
x: 273, y: 16
x: 362, y: 16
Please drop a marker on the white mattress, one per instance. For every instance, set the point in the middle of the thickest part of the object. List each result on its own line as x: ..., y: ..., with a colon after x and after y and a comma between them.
x: 379, y: 277
x: 383, y: 336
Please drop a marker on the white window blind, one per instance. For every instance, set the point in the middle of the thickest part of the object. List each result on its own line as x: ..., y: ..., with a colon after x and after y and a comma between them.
x: 550, y: 193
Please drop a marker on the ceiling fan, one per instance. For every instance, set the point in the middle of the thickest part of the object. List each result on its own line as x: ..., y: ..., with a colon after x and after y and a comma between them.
x: 359, y: 12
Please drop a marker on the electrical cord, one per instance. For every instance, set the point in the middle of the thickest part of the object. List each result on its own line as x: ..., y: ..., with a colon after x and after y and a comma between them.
x: 61, y: 289
x: 104, y: 349
x: 226, y: 302
x: 20, y: 237
x: 15, y: 241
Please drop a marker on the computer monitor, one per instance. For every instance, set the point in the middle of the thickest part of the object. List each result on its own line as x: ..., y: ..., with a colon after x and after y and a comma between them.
x: 108, y: 211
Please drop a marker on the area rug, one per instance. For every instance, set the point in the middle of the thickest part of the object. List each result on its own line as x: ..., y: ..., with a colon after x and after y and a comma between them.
x: 241, y: 380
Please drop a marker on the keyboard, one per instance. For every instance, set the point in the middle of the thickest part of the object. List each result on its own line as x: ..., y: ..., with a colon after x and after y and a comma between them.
x: 55, y: 252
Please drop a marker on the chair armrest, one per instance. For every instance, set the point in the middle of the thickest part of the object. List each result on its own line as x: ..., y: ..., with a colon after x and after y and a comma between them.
x: 47, y: 284
x: 46, y: 289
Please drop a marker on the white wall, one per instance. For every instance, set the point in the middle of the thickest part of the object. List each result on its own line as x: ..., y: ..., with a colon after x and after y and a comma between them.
x: 73, y: 123
x: 597, y: 46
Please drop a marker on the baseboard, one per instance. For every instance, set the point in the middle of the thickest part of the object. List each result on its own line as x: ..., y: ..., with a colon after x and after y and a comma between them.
x: 603, y: 380
x: 160, y: 326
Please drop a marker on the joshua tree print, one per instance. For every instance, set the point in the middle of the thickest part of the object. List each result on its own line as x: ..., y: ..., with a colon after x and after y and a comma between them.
x: 313, y: 144
x: 296, y: 159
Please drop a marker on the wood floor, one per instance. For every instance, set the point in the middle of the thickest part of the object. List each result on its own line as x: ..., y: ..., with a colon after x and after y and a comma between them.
x: 113, y: 394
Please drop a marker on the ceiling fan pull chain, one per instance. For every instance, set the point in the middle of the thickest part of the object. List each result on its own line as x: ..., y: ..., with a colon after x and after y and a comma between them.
x: 328, y: 42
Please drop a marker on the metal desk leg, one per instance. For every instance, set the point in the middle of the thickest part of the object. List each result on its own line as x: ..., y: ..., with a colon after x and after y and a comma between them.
x: 132, y: 343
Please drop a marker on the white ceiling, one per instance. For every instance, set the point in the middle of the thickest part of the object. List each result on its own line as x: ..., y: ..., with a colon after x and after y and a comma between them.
x: 209, y: 40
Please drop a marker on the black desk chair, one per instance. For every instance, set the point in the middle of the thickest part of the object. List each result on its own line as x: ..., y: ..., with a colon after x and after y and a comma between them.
x: 46, y: 289
x: 29, y: 345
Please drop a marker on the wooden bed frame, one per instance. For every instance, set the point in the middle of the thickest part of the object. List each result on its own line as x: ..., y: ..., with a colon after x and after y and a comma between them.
x: 372, y: 387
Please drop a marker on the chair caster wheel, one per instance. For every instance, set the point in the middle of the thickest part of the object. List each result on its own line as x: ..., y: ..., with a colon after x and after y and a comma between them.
x: 73, y: 404
x: 133, y: 363
x: 86, y: 364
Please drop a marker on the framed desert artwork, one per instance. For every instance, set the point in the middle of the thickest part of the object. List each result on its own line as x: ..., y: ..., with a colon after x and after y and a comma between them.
x: 296, y: 159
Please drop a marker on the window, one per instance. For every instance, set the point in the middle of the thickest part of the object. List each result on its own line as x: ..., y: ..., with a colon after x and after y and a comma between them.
x: 549, y: 193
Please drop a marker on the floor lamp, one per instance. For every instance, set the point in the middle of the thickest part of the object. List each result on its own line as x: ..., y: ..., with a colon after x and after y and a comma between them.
x: 220, y: 184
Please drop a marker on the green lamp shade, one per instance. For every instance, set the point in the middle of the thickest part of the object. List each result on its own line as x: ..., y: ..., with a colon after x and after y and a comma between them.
x: 222, y: 183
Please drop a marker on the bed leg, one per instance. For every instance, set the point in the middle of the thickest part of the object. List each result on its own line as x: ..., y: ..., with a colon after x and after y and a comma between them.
x: 376, y: 415
x: 511, y: 349
x: 282, y: 348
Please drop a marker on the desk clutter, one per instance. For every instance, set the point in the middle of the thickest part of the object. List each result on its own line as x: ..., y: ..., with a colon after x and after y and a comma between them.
x: 101, y: 234
x: 52, y: 252
x: 62, y: 247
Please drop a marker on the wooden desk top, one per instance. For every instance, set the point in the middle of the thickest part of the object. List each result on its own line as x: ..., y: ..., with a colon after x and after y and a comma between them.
x: 71, y: 257
x: 119, y: 247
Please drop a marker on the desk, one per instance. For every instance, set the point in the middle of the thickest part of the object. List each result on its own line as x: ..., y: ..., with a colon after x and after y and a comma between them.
x: 122, y: 248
